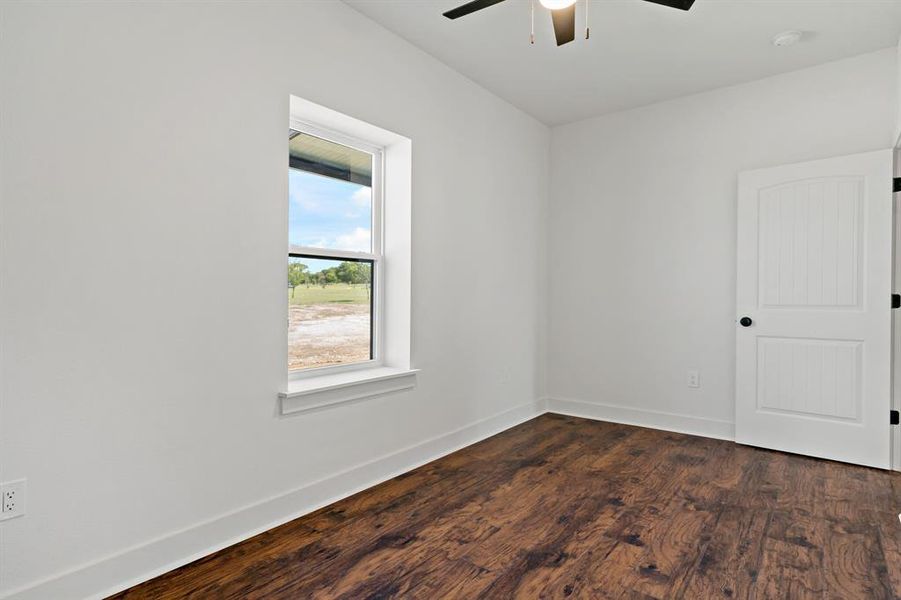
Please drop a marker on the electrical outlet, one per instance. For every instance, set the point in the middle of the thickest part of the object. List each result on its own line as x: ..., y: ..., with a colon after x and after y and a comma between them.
x: 694, y: 379
x: 12, y: 499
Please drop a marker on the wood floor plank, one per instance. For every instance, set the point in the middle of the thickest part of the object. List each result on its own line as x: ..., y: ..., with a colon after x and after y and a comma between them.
x: 728, y: 565
x: 793, y: 557
x: 561, y: 507
x: 890, y: 543
x: 853, y: 563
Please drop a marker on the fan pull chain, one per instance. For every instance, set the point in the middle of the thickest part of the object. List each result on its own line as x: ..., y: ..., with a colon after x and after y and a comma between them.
x: 532, y: 32
x: 587, y: 30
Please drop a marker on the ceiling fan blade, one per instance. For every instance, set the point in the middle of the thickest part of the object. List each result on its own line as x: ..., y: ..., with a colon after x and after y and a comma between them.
x: 564, y: 24
x: 680, y: 4
x: 470, y: 7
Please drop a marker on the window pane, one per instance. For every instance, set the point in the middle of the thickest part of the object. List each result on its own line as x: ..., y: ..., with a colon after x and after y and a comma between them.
x: 330, y: 191
x: 329, y: 312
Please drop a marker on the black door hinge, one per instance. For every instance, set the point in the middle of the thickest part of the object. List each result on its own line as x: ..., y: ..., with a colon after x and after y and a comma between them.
x: 894, y: 417
x: 896, y: 184
x: 896, y: 300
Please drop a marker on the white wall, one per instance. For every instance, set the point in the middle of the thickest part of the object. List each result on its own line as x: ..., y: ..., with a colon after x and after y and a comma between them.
x: 642, y: 233
x: 143, y: 220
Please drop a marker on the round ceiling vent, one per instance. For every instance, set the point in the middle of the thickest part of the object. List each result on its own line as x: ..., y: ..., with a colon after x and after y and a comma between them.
x: 788, y: 38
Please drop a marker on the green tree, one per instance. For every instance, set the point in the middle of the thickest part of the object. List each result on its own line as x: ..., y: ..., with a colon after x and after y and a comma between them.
x: 354, y: 273
x: 344, y: 271
x: 297, y: 274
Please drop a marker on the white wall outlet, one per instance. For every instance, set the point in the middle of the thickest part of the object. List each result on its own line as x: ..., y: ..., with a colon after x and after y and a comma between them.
x: 12, y: 499
x: 694, y: 379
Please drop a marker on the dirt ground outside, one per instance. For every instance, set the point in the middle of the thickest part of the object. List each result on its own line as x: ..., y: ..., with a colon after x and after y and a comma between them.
x: 326, y: 334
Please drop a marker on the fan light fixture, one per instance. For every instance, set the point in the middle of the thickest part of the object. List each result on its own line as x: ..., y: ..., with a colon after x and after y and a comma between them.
x: 563, y: 14
x: 557, y: 4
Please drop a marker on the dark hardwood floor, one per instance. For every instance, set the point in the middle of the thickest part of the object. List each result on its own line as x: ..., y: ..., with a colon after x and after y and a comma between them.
x: 565, y: 507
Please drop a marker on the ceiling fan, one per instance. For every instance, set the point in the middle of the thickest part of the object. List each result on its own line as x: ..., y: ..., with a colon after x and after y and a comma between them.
x: 563, y: 13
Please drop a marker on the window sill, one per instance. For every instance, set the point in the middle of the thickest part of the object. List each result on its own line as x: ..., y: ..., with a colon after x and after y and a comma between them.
x: 314, y: 393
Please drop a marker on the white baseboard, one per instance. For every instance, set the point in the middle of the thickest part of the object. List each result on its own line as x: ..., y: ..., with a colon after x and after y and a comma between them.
x: 140, y: 563
x: 723, y: 430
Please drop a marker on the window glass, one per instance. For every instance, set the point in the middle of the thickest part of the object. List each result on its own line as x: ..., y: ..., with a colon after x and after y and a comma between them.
x: 329, y: 312
x: 330, y: 195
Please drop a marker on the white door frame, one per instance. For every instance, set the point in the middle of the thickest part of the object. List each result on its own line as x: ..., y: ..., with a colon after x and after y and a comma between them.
x: 896, y: 317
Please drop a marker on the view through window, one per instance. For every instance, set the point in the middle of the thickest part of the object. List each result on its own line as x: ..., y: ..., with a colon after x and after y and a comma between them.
x: 333, y: 259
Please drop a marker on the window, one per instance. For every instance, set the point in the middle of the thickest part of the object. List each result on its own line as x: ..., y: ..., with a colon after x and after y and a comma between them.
x: 349, y: 261
x: 334, y: 256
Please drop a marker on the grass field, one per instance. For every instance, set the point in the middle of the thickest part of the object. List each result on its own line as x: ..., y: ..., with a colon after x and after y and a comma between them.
x: 342, y: 293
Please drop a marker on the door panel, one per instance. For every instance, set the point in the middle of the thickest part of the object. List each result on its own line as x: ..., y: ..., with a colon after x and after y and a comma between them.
x: 814, y: 276
x: 810, y: 377
x: 809, y: 252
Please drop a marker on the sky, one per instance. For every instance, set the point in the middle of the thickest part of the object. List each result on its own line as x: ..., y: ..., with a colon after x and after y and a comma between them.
x: 328, y: 213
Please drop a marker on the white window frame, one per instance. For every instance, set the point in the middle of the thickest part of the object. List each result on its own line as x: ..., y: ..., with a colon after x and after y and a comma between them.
x: 390, y: 372
x: 376, y: 255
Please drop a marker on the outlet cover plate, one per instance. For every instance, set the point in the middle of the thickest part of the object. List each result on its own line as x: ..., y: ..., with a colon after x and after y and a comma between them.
x: 12, y: 499
x: 694, y: 378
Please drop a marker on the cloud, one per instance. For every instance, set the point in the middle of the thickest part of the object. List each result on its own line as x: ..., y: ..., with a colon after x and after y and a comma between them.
x: 361, y: 203
x: 304, y: 201
x: 358, y: 241
x: 362, y: 197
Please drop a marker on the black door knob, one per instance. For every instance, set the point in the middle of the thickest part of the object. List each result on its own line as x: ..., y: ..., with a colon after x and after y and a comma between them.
x: 745, y: 321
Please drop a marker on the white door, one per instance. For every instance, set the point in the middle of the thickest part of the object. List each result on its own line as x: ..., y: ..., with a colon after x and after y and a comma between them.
x: 813, y: 347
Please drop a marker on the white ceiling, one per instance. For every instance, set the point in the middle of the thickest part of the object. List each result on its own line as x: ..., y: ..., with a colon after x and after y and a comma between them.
x: 639, y: 53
